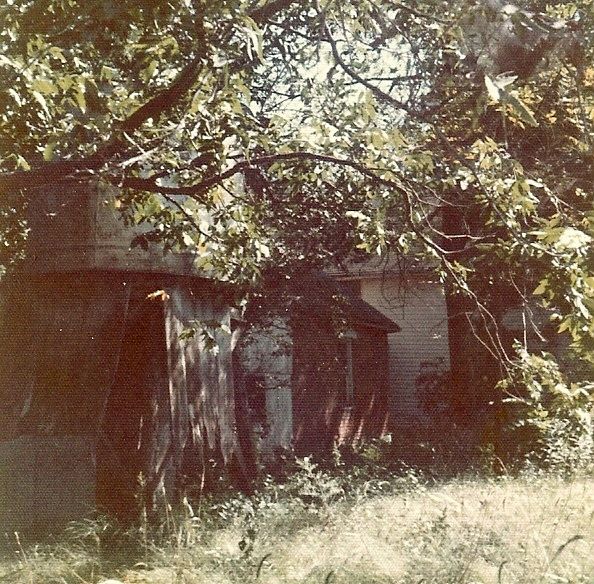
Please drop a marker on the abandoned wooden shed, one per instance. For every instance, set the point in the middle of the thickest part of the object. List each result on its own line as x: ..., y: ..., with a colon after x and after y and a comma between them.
x: 317, y: 373
x: 413, y: 296
x: 104, y: 400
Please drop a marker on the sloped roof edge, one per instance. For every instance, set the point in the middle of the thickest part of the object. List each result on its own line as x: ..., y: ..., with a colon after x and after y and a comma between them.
x: 356, y: 308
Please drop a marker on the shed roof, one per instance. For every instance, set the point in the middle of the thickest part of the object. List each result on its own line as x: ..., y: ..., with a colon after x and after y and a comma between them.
x: 380, y: 267
x: 353, y: 307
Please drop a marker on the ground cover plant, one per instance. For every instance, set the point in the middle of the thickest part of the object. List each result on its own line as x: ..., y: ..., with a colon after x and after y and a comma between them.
x: 342, y: 525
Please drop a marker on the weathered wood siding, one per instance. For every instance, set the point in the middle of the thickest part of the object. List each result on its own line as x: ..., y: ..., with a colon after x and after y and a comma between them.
x: 418, y: 305
x: 322, y: 414
x: 62, y: 381
x: 200, y: 367
x: 319, y: 383
x: 372, y: 397
x: 60, y: 337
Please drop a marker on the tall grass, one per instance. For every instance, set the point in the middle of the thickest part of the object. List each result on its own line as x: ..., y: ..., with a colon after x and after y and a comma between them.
x: 345, y: 526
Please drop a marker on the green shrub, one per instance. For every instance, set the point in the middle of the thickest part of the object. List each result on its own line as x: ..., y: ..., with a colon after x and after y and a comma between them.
x: 546, y: 419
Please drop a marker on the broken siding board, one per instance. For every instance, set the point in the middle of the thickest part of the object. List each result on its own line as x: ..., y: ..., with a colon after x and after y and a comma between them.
x: 194, y: 388
x: 208, y: 375
x: 136, y: 432
x: 66, y: 345
x: 203, y: 370
x: 226, y: 392
x: 177, y: 311
x: 192, y: 407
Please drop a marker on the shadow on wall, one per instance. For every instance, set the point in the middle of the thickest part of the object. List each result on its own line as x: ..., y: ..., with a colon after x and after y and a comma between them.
x: 325, y: 409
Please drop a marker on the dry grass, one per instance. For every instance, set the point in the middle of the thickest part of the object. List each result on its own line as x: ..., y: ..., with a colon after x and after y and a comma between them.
x: 476, y: 530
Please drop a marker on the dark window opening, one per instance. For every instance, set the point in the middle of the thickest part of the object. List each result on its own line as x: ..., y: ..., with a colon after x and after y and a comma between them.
x: 255, y: 391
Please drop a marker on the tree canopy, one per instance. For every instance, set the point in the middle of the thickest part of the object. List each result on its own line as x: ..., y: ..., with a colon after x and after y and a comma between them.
x: 455, y: 133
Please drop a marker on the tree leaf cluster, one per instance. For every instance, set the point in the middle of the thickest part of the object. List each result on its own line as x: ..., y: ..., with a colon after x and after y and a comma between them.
x: 457, y: 134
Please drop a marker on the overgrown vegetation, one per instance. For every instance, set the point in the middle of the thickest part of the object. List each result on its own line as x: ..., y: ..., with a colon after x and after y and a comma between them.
x: 547, y: 420
x: 455, y: 133
x: 355, y: 524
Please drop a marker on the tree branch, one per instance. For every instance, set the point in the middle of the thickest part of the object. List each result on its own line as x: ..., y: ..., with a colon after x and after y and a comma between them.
x: 169, y: 97
x: 268, y: 10
x: 154, y: 107
x: 149, y: 184
x: 379, y: 93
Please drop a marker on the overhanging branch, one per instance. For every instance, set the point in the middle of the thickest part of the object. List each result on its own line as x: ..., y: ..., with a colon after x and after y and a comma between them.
x: 198, y: 189
x: 168, y: 98
x: 164, y: 101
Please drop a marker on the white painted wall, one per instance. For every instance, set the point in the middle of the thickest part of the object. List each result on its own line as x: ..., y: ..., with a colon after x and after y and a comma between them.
x: 418, y: 305
x: 269, y: 352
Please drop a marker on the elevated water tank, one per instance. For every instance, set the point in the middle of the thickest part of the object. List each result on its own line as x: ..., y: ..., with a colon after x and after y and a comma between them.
x: 77, y: 226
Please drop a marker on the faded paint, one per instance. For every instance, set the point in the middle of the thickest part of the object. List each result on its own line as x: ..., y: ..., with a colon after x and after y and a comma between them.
x: 279, y: 408
x: 45, y: 481
x: 418, y: 305
x: 322, y: 412
x: 268, y: 351
x: 88, y: 356
x: 305, y: 367
x: 67, y: 318
x: 77, y: 226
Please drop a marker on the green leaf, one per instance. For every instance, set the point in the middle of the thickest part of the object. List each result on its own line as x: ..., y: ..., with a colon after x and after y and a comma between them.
x: 571, y: 238
x: 22, y: 163
x: 48, y: 151
x: 57, y: 53
x: 79, y: 96
x: 521, y: 110
x: 44, y: 86
x: 197, y: 102
x: 147, y: 73
x: 254, y: 34
x: 41, y: 101
x: 108, y: 73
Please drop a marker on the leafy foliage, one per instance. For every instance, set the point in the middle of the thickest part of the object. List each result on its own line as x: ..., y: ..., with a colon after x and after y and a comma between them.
x: 549, y: 420
x: 454, y: 133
